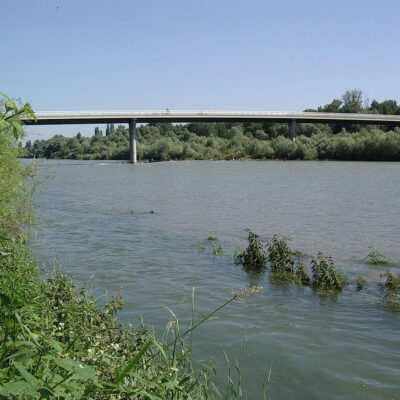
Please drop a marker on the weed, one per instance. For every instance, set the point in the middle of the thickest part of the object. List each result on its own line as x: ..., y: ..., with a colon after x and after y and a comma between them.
x: 360, y: 283
x: 375, y: 256
x: 391, y: 300
x: 392, y: 281
x: 217, y: 248
x: 280, y: 256
x: 253, y: 258
x: 300, y: 272
x: 325, y: 275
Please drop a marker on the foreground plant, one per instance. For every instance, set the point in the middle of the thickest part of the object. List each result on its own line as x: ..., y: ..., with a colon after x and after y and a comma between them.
x: 57, y: 342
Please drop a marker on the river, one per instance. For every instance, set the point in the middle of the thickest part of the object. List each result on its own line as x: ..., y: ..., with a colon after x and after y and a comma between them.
x: 145, y: 228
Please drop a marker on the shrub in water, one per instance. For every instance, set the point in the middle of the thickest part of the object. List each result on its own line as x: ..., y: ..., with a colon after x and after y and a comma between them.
x: 375, y: 256
x: 279, y: 255
x: 392, y: 281
x: 360, y: 283
x: 325, y: 275
x: 253, y: 258
x: 392, y: 285
x: 300, y: 272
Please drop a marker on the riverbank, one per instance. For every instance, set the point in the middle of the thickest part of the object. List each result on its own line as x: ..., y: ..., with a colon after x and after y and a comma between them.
x: 56, y: 341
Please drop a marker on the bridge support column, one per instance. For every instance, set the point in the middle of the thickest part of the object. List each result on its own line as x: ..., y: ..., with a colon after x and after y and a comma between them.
x: 292, y: 130
x: 132, y: 141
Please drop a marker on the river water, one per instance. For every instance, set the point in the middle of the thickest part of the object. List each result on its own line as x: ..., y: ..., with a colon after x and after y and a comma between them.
x: 97, y: 222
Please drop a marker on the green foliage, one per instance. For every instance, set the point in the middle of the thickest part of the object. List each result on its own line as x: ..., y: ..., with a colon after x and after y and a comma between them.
x: 10, y: 113
x: 313, y: 142
x: 254, y: 257
x: 375, y: 256
x: 217, y: 248
x: 392, y: 281
x: 15, y: 195
x: 360, y: 283
x: 280, y: 256
x: 300, y: 273
x: 392, y: 297
x: 325, y: 275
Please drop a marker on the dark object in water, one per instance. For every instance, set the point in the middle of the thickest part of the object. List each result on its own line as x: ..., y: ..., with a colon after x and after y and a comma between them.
x: 142, y: 212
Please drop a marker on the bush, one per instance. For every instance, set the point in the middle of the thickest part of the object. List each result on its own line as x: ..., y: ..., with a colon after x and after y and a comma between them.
x: 360, y: 283
x: 375, y: 256
x: 392, y: 284
x: 280, y: 256
x: 325, y: 274
x: 253, y: 258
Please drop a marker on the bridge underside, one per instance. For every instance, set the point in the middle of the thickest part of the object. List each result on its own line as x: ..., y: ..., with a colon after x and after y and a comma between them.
x: 119, y: 120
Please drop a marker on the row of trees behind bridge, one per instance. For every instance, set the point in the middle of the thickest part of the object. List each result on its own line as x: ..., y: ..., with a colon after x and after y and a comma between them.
x: 163, y: 142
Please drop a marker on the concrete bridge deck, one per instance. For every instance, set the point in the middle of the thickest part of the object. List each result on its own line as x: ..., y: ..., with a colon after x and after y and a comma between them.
x: 147, y: 116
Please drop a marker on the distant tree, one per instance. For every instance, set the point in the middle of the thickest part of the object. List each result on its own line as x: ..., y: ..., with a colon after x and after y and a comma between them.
x: 333, y: 106
x: 202, y: 128
x: 386, y: 107
x: 97, y: 131
x: 352, y: 101
x: 112, y: 129
x: 120, y: 130
x: 79, y: 136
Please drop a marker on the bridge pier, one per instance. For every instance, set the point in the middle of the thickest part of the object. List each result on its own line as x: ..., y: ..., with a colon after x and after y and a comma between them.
x: 292, y: 130
x: 132, y: 141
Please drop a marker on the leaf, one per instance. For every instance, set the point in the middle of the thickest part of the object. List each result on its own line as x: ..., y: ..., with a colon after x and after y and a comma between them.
x: 132, y: 363
x: 45, y: 392
x: 20, y: 388
x: 10, y: 106
x: 57, y: 346
x: 26, y: 375
x: 81, y: 371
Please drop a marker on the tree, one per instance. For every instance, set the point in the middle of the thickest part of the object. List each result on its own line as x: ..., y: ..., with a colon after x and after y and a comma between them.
x: 386, y: 107
x: 333, y: 106
x: 352, y: 101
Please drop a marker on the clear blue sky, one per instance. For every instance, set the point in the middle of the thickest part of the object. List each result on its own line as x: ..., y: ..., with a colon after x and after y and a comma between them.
x: 196, y: 54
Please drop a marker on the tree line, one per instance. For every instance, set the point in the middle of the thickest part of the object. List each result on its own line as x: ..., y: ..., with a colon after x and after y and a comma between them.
x: 257, y: 140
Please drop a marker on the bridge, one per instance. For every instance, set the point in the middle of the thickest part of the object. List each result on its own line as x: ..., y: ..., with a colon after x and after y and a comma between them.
x: 158, y: 116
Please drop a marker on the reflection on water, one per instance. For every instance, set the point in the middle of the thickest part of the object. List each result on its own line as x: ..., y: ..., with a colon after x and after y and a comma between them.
x: 97, y: 221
